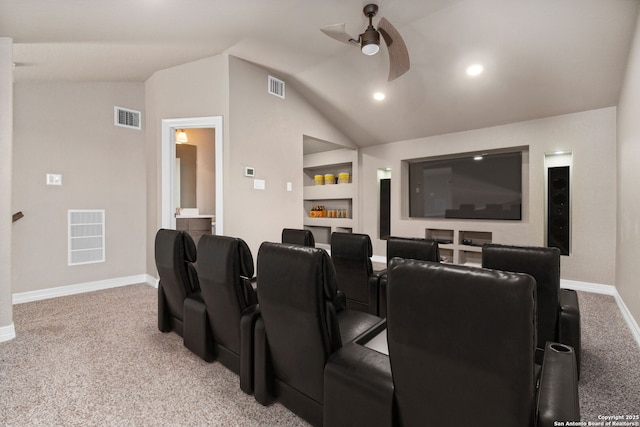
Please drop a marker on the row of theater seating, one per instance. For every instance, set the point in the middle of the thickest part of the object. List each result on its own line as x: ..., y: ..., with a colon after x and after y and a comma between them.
x: 558, y: 312
x: 461, y: 341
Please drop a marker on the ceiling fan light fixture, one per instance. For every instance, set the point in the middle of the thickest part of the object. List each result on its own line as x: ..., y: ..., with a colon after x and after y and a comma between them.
x: 370, y: 41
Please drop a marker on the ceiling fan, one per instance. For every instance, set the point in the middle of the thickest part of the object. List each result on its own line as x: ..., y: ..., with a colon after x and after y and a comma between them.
x: 369, y: 41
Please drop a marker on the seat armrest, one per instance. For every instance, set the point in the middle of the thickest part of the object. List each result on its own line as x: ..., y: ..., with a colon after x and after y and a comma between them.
x: 380, y: 273
x: 247, y: 329
x: 196, y: 334
x: 263, y: 371
x: 358, y: 388
x: 374, y: 293
x: 569, y: 322
x: 557, y: 398
x: 382, y: 293
x: 164, y: 321
x: 340, y: 301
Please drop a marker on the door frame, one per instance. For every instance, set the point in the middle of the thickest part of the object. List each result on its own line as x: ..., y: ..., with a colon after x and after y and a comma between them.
x: 169, y: 126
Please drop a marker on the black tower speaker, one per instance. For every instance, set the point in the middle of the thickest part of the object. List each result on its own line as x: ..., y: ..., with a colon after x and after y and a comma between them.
x: 385, y: 208
x: 558, y: 208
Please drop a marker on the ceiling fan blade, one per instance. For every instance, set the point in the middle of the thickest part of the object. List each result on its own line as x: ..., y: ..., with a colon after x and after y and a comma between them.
x: 338, y: 32
x: 398, y: 53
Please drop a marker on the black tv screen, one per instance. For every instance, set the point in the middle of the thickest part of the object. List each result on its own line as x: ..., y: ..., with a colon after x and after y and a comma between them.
x: 469, y: 187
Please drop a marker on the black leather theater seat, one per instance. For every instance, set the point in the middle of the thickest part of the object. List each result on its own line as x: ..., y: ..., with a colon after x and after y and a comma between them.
x: 558, y: 309
x: 175, y: 253
x: 406, y: 248
x: 351, y: 256
x: 228, y: 308
x: 461, y: 344
x: 299, y: 328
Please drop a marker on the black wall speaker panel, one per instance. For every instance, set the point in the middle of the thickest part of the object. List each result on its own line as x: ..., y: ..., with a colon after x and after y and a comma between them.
x: 385, y: 208
x: 558, y: 213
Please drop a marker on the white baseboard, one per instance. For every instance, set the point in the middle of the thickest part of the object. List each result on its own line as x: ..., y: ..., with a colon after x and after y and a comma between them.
x: 151, y: 281
x: 7, y: 332
x: 607, y: 290
x: 61, y: 291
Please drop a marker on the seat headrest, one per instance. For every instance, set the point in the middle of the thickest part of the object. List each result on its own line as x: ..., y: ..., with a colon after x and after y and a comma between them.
x: 519, y: 257
x: 298, y: 237
x: 351, y: 245
x: 301, y: 263
x: 413, y: 248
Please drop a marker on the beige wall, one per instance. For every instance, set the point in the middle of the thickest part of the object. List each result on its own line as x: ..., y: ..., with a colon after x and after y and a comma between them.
x: 67, y: 128
x: 590, y: 136
x: 628, y: 242
x: 267, y: 134
x: 6, y: 143
x: 196, y: 89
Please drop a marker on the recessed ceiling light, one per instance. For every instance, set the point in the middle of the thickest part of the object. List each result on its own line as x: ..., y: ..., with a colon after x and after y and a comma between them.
x: 477, y: 157
x: 475, y: 70
x: 378, y: 96
x: 559, y: 152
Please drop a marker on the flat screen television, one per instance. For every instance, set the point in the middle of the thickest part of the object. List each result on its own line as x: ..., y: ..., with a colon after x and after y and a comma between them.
x: 467, y: 187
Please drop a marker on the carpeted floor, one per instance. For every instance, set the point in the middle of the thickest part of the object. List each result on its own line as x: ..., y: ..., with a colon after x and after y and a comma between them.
x: 99, y: 359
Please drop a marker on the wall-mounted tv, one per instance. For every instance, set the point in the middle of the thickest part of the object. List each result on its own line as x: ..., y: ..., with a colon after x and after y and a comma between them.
x: 470, y: 187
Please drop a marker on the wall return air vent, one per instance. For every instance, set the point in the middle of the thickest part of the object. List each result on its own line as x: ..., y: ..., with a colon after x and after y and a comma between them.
x: 127, y: 118
x: 86, y: 236
x: 275, y: 87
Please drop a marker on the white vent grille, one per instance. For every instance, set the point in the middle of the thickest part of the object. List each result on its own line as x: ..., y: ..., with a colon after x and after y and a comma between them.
x: 127, y: 118
x: 276, y: 87
x: 86, y: 236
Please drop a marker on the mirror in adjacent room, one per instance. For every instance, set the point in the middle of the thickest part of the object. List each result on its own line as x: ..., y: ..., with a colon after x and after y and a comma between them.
x: 194, y: 182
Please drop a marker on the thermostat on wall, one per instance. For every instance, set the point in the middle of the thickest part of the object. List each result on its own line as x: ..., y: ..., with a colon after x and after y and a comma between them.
x: 249, y: 171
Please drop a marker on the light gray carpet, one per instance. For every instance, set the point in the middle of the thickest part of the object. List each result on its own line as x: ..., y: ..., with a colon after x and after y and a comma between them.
x: 99, y: 359
x: 610, y: 379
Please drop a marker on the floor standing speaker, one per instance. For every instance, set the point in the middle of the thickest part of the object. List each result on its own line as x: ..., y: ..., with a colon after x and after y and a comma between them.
x: 558, y: 213
x: 385, y: 208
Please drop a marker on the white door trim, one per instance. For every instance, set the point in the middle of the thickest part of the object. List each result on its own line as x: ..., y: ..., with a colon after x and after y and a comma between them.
x: 168, y: 219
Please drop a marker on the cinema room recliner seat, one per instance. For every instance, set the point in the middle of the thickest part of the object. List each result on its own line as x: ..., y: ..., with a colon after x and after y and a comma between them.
x: 227, y: 310
x: 298, y: 328
x: 424, y: 249
x: 558, y: 309
x: 298, y: 237
x: 175, y: 253
x: 351, y: 256
x: 461, y: 345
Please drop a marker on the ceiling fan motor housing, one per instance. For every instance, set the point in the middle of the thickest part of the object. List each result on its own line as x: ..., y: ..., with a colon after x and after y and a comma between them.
x: 370, y: 39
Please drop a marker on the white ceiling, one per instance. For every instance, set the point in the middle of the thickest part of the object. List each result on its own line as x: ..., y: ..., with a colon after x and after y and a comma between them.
x: 541, y: 57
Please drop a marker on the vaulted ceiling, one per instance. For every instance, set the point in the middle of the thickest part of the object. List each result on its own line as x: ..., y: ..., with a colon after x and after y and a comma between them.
x: 541, y: 58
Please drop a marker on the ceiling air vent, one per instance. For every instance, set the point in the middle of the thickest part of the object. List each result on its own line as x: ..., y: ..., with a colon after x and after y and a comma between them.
x: 276, y: 87
x: 127, y: 118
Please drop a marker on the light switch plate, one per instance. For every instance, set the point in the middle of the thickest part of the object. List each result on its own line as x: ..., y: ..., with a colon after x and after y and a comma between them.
x: 289, y: 186
x: 54, y: 179
x: 259, y: 184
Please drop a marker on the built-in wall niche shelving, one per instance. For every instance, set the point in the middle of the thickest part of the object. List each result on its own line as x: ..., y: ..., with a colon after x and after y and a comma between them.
x: 338, y: 199
x: 460, y: 246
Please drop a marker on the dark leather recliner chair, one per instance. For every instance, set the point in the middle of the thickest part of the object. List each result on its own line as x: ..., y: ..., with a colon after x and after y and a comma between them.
x: 558, y: 309
x: 406, y: 248
x: 351, y: 256
x: 228, y: 308
x: 461, y: 343
x: 298, y: 237
x: 175, y: 253
x: 298, y: 328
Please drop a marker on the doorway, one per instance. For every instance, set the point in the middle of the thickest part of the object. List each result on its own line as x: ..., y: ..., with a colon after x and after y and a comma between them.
x: 169, y: 173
